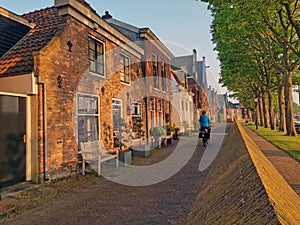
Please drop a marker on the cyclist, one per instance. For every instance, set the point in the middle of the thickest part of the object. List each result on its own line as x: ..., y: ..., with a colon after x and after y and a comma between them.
x: 204, y: 121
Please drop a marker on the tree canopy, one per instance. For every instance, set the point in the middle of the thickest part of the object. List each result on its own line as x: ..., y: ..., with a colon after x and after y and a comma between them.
x: 258, y: 47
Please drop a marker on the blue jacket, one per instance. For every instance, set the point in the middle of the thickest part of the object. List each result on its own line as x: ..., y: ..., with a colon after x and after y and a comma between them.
x: 204, y: 121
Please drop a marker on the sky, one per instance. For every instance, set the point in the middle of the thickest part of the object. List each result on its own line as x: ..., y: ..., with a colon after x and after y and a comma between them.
x: 182, y: 25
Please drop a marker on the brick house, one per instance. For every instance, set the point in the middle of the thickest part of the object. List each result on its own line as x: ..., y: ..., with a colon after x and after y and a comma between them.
x: 62, y: 74
x: 156, y: 66
x: 197, y: 80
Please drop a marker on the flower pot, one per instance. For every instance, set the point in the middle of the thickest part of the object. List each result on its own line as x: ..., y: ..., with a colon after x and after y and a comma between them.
x: 125, y: 157
x: 140, y: 151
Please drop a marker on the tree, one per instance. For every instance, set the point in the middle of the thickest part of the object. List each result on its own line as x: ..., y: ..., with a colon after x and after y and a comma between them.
x: 258, y: 43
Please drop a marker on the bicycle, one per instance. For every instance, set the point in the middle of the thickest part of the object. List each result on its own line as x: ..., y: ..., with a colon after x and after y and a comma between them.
x: 205, y: 135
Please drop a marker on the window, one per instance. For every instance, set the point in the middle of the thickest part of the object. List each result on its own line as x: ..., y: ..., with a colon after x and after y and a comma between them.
x: 160, y: 112
x: 88, y: 117
x: 96, y: 56
x: 136, y: 109
x: 137, y: 119
x: 163, y: 76
x: 117, y: 113
x: 124, y: 69
x: 152, y: 112
x: 167, y: 111
x: 154, y: 70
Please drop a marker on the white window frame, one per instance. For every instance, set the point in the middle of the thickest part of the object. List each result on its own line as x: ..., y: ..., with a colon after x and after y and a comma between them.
x: 79, y: 105
x: 137, y: 115
x: 121, y: 110
x: 152, y: 112
x: 160, y: 109
x: 137, y: 105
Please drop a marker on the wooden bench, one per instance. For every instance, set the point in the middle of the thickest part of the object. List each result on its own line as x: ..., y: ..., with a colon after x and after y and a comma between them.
x: 94, y: 152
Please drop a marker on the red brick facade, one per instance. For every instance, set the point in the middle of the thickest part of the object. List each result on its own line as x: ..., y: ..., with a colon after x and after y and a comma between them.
x: 60, y: 64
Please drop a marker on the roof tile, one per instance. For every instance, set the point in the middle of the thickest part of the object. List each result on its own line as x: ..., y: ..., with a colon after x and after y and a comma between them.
x: 19, y: 59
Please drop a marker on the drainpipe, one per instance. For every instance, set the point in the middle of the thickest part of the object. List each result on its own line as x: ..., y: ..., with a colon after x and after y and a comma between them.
x: 44, y: 85
x: 143, y: 67
x: 146, y: 115
x: 45, y: 132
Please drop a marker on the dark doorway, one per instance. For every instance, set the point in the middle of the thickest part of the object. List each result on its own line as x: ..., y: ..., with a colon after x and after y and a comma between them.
x: 12, y: 140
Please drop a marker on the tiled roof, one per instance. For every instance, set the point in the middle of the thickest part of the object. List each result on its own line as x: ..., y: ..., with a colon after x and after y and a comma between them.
x: 11, y: 31
x: 19, y: 59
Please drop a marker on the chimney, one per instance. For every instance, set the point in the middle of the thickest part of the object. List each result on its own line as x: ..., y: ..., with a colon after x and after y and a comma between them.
x: 106, y: 16
x: 194, y: 51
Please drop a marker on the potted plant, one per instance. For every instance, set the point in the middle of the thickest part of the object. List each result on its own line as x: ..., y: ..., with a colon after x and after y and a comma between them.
x: 170, y: 129
x: 121, y: 140
x: 185, y: 125
x: 173, y: 129
x: 157, y: 133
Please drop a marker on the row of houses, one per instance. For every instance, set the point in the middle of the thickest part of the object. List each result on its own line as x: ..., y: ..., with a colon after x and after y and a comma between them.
x: 68, y: 75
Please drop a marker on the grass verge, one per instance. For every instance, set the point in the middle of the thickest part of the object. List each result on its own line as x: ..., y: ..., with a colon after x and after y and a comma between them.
x: 286, y: 143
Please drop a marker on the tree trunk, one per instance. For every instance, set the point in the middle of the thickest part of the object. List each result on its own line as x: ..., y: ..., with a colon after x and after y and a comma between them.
x: 288, y: 98
x: 265, y: 111
x: 272, y: 121
x: 257, y: 115
x: 260, y: 107
x: 271, y: 110
x: 282, y: 124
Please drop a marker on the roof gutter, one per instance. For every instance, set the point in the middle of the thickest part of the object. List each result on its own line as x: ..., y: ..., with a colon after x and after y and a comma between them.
x: 15, y: 17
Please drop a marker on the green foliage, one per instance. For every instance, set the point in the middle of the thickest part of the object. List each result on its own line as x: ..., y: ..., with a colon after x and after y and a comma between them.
x: 158, y: 131
x: 296, y: 108
x: 170, y: 127
x: 258, y: 47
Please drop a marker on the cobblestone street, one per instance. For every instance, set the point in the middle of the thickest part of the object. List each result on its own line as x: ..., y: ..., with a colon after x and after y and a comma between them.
x: 99, y: 201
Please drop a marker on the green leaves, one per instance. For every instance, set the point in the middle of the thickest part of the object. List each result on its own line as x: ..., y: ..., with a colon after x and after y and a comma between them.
x: 255, y: 39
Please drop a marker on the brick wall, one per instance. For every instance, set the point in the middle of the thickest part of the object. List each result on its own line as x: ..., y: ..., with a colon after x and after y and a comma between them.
x: 157, y: 94
x: 233, y: 192
x: 56, y: 60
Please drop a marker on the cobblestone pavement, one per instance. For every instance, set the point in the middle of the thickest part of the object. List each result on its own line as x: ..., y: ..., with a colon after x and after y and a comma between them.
x: 98, y: 201
x: 95, y: 200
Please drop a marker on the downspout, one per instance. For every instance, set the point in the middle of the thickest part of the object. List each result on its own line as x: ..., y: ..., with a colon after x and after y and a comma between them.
x: 143, y: 67
x: 147, y: 125
x: 44, y: 85
x: 46, y: 178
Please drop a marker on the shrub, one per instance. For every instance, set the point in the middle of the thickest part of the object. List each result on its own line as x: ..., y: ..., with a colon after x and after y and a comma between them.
x: 158, y: 131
